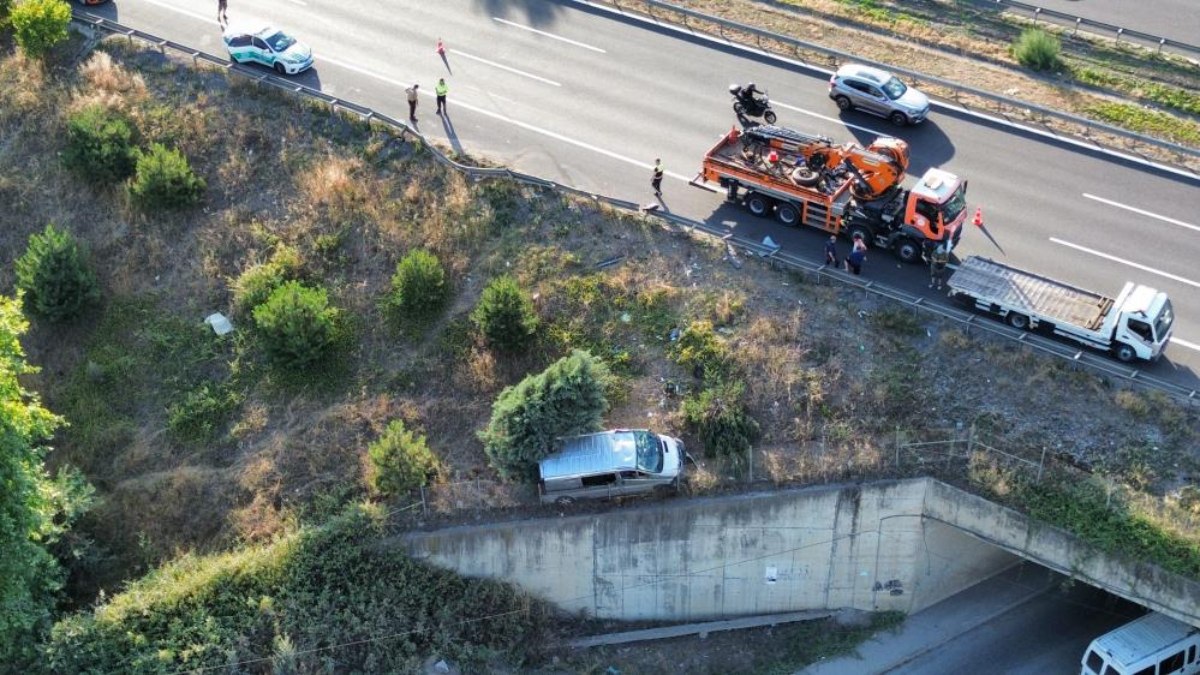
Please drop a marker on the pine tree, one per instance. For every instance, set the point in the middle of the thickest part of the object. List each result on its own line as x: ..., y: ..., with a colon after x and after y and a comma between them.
x: 53, y: 276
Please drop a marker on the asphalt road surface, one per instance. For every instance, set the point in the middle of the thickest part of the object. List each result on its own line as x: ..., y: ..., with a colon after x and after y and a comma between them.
x: 590, y: 99
x: 1174, y: 19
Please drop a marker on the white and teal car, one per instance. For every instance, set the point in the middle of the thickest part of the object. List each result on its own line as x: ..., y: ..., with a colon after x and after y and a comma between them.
x: 269, y: 46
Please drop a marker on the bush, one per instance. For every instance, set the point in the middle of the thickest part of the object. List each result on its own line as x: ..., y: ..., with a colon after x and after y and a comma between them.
x: 720, y: 420
x: 202, y: 412
x: 400, y: 461
x: 1037, y: 49
x: 56, y: 281
x: 700, y: 349
x: 505, y: 315
x: 256, y: 283
x: 100, y: 145
x: 419, y: 288
x: 164, y: 180
x: 297, y: 324
x: 565, y: 399
x: 38, y: 25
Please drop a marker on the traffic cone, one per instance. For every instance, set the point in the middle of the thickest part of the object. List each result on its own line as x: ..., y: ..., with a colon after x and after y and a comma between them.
x: 441, y: 48
x: 978, y: 221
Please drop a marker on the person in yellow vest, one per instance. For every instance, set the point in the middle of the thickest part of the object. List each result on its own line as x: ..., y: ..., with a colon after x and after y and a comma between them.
x: 441, y: 90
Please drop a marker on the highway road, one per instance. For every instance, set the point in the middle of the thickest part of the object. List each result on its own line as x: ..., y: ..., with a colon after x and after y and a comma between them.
x: 590, y: 99
x: 1175, y: 19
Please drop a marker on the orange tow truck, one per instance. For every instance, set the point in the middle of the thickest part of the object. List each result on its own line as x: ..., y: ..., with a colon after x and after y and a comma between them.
x: 805, y: 179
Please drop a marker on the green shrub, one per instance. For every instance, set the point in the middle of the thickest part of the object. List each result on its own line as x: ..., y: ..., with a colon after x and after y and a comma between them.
x: 718, y: 417
x: 1037, y: 49
x: 505, y: 315
x: 400, y: 461
x: 256, y: 283
x: 56, y: 282
x: 419, y: 288
x: 325, y: 589
x: 100, y: 145
x: 565, y: 399
x: 297, y: 324
x: 202, y: 412
x: 164, y: 180
x: 39, y: 25
x: 700, y: 349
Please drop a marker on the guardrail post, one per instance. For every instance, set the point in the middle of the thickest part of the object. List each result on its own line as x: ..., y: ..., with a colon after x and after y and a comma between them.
x: 1078, y: 20
x: 1036, y: 13
x: 1120, y: 32
x: 1161, y: 42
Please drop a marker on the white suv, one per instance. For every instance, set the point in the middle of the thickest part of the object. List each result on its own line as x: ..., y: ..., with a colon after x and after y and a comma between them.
x: 879, y: 93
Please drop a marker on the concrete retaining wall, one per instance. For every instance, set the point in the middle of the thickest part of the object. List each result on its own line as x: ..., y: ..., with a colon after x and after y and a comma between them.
x: 893, y: 545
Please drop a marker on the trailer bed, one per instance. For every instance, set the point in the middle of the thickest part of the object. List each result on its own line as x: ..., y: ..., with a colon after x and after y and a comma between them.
x: 1031, y: 294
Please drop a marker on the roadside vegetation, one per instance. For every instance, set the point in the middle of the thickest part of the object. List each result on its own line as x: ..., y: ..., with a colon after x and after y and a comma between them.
x: 400, y: 334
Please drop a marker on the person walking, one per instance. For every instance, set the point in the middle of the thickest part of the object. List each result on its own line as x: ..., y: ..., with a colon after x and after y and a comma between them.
x: 223, y: 13
x: 441, y: 90
x: 831, y: 257
x: 656, y: 181
x: 412, y: 101
x: 937, y: 266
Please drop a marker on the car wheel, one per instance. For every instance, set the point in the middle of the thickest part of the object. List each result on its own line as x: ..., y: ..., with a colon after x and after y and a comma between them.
x: 787, y: 215
x: 899, y: 119
x: 1018, y: 321
x: 280, y: 69
x: 1125, y: 353
x: 758, y: 205
x: 843, y: 103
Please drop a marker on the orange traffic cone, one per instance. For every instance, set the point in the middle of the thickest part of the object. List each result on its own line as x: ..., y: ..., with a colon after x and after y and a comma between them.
x: 441, y: 48
x: 978, y: 221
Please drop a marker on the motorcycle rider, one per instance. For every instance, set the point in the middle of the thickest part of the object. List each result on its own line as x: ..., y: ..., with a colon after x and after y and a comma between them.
x: 747, y: 95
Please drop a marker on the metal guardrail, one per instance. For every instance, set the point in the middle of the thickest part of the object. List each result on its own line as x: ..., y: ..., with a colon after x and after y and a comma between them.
x: 775, y: 256
x: 1077, y: 23
x: 837, y: 57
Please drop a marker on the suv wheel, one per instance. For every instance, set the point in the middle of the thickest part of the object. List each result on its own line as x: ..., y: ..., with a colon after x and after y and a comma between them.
x: 899, y: 119
x: 843, y: 103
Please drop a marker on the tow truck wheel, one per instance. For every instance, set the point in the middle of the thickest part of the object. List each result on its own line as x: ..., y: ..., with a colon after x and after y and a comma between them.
x: 1018, y: 321
x: 787, y: 214
x: 1125, y: 353
x: 758, y: 204
x: 769, y: 116
x: 908, y: 251
x: 862, y: 232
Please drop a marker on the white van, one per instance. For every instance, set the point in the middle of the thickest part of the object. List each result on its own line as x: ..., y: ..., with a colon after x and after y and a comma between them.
x: 613, y: 463
x: 1155, y: 644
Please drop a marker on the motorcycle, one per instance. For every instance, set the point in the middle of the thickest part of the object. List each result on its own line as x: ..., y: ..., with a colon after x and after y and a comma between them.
x: 751, y: 106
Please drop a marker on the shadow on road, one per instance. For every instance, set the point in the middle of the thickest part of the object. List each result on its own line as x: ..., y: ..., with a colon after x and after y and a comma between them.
x: 451, y: 134
x: 534, y: 12
x: 929, y: 146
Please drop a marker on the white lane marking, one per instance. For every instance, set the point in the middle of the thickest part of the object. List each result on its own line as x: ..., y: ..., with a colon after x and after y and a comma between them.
x: 1123, y: 261
x: 1138, y: 211
x: 1184, y: 343
x: 503, y: 67
x: 203, y: 17
x: 831, y: 119
x: 549, y: 35
x: 515, y: 122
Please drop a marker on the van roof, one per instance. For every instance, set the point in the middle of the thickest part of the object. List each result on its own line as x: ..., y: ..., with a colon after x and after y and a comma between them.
x: 595, y: 453
x: 1134, y: 641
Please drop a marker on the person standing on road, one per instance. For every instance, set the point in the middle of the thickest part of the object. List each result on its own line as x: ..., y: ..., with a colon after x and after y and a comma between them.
x: 656, y: 181
x: 831, y: 257
x: 937, y: 266
x: 222, y: 13
x: 441, y: 89
x: 858, y: 254
x: 412, y: 102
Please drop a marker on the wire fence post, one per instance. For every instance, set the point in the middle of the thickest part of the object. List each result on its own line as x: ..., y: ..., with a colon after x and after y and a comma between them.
x: 750, y: 461
x: 1041, y: 464
x: 897, y: 446
x: 424, y: 504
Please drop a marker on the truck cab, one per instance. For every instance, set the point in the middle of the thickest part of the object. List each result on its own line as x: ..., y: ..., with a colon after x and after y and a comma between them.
x: 1144, y: 324
x: 937, y: 206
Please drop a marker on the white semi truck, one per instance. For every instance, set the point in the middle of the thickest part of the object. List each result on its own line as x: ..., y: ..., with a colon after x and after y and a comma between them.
x: 1134, y: 325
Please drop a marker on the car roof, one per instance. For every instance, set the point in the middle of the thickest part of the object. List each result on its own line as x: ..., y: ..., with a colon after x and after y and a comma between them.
x: 865, y: 72
x: 257, y: 30
x: 601, y: 452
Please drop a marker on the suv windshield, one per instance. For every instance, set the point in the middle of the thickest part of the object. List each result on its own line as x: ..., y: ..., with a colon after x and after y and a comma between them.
x: 280, y: 42
x: 955, y: 205
x: 649, y: 451
x: 894, y: 88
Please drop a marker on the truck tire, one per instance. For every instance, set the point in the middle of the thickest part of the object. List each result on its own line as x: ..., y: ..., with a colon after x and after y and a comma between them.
x: 1124, y: 353
x: 759, y: 205
x: 1018, y: 321
x: 863, y: 231
x: 787, y: 214
x: 908, y: 250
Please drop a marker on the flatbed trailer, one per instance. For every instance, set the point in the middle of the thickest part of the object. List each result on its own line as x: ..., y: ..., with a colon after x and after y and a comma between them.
x: 1134, y: 325
x: 905, y: 221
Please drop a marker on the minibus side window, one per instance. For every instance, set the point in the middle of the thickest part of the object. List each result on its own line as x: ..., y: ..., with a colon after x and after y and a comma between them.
x: 1095, y: 662
x: 1145, y: 671
x: 1192, y: 654
x: 600, y: 480
x: 1171, y: 664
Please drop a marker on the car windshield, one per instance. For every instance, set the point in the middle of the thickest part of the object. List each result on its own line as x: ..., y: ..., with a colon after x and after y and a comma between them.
x: 1166, y: 317
x: 280, y: 42
x: 649, y: 452
x: 894, y: 88
x: 955, y: 205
